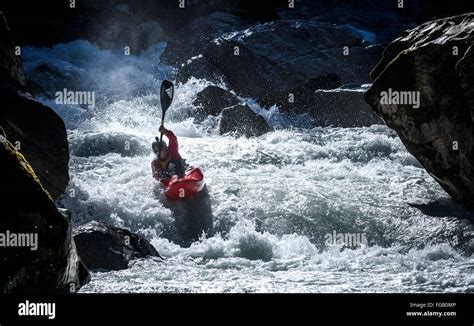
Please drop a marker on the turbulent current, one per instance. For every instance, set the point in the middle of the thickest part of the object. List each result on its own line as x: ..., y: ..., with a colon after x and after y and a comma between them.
x: 278, y: 203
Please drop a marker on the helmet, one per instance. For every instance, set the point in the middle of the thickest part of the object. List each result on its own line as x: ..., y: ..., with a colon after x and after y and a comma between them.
x: 158, y: 145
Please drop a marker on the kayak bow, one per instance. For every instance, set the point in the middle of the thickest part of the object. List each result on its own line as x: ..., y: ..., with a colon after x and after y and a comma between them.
x: 176, y: 188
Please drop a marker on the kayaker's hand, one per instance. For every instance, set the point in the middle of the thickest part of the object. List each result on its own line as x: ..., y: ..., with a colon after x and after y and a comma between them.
x: 163, y: 130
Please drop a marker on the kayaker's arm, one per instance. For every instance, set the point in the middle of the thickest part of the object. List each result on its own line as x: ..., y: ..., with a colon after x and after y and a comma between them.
x: 172, y: 144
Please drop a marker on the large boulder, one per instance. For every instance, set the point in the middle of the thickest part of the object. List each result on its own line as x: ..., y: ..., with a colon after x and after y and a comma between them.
x: 343, y: 108
x: 37, y: 251
x: 35, y: 130
x: 328, y: 104
x: 198, y: 67
x: 40, y: 135
x: 299, y: 99
x: 102, y: 246
x: 303, y: 47
x: 256, y: 64
x: 240, y: 119
x: 213, y: 99
x: 102, y: 143
x: 366, y: 18
x: 433, y: 62
x: 45, y: 260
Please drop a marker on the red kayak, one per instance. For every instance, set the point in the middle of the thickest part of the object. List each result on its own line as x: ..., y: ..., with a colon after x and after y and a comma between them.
x: 186, y: 187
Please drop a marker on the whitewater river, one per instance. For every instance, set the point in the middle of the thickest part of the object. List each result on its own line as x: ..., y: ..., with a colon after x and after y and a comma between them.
x: 273, y: 201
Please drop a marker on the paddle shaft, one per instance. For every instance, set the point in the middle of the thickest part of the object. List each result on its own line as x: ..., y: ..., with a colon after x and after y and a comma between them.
x: 161, y: 134
x: 166, y: 96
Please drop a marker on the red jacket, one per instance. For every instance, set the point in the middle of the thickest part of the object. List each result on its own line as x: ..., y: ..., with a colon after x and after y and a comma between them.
x: 172, y: 145
x: 173, y: 154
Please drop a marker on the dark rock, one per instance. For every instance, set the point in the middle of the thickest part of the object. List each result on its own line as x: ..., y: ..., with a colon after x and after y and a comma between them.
x: 308, y: 48
x: 207, y: 21
x: 305, y: 55
x: 53, y: 79
x: 465, y: 69
x: 28, y: 209
x: 212, y: 100
x: 35, y: 130
x: 203, y: 20
x: 328, y: 104
x: 192, y: 39
x: 51, y: 265
x: 383, y: 19
x: 259, y: 82
x: 424, y: 60
x: 104, y: 143
x: 343, y: 108
x: 198, y: 67
x: 243, y: 121
x: 40, y: 135
x: 11, y: 70
x: 300, y: 98
x: 35, y: 89
x: 102, y: 246
x: 150, y: 33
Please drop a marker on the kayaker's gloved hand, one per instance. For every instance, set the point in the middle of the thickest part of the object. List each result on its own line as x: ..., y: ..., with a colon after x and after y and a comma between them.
x: 163, y: 130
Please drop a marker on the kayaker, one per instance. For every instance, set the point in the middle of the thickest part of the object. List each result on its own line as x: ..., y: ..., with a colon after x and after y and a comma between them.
x: 169, y: 161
